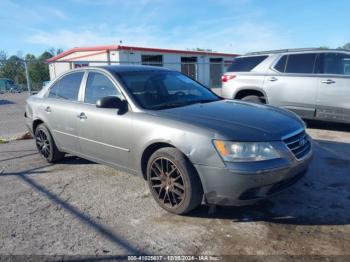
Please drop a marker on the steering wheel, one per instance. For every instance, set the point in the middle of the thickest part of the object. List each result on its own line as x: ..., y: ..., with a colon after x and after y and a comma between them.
x: 180, y: 93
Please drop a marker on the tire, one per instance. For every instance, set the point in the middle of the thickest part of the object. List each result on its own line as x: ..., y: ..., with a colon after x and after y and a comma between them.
x: 46, y: 145
x: 177, y: 191
x: 253, y: 99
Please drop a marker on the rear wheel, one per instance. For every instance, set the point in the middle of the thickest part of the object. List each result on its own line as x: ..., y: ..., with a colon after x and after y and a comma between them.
x: 173, y: 181
x: 254, y: 99
x: 46, y: 145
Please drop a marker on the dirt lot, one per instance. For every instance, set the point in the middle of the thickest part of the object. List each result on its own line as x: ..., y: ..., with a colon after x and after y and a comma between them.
x: 81, y: 208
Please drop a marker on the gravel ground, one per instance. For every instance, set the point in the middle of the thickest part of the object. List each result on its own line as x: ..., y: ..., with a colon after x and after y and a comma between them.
x: 81, y: 208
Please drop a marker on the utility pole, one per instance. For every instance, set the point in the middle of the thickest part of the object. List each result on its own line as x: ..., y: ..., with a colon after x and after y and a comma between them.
x: 27, y: 76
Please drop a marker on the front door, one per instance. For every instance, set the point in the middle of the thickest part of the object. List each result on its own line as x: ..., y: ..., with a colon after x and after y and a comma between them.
x: 104, y: 134
x: 333, y: 100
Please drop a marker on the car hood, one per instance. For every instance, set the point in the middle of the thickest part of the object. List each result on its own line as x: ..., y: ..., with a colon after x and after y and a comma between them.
x: 237, y: 120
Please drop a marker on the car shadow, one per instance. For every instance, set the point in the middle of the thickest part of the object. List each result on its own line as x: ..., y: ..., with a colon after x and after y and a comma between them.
x: 68, y: 160
x: 25, y: 176
x: 317, y: 124
x: 6, y: 102
x: 322, y: 197
x: 74, y: 160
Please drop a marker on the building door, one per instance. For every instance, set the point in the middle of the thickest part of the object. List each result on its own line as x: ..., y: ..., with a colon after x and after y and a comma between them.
x: 189, y: 66
x: 215, y: 72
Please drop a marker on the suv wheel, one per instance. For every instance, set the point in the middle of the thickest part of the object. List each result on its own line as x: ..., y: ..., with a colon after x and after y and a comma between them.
x: 254, y: 99
x: 173, y: 181
x: 46, y: 145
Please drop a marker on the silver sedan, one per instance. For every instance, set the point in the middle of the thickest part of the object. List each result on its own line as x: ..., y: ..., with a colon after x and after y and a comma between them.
x: 190, y: 145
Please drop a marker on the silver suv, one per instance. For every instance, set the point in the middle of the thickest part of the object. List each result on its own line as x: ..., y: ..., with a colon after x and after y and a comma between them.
x: 314, y: 83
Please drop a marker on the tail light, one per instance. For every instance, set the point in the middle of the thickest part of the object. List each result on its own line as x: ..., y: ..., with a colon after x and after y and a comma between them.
x: 226, y: 78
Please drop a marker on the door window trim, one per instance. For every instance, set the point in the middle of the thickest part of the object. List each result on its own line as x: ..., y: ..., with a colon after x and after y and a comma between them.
x: 46, y: 95
x: 272, y: 67
x: 333, y: 75
x: 84, y: 82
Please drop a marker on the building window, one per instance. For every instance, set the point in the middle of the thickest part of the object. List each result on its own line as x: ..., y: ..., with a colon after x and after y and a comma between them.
x: 215, y: 72
x: 189, y: 66
x: 153, y: 60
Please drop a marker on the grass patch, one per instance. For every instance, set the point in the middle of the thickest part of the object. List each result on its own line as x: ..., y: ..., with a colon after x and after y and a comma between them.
x: 3, y: 141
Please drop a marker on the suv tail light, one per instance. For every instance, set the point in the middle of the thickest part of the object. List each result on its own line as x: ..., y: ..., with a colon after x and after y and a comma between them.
x: 225, y: 78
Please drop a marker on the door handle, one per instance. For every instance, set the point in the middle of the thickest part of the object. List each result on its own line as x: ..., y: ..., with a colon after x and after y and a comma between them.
x: 273, y: 79
x: 328, y: 81
x: 48, y: 109
x: 82, y: 116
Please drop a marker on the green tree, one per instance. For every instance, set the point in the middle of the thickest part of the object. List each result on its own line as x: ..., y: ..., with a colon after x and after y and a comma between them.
x: 3, y: 59
x: 346, y: 46
x: 55, y: 51
x: 13, y: 69
x: 38, y: 69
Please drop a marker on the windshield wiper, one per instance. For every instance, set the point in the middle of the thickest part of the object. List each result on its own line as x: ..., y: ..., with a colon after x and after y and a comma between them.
x: 179, y: 104
x: 168, y: 105
x: 206, y: 101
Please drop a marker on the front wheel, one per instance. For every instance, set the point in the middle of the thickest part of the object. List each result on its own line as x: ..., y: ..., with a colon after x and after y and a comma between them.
x: 46, y: 145
x: 254, y: 99
x: 173, y: 181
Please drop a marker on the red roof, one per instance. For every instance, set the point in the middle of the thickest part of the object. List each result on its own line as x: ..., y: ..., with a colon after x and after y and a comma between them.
x: 134, y: 48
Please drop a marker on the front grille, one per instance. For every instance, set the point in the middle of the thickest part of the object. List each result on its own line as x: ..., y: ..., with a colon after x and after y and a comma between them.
x: 299, y: 144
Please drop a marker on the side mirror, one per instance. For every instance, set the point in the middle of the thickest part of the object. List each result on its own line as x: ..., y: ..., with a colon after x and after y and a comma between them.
x: 112, y: 102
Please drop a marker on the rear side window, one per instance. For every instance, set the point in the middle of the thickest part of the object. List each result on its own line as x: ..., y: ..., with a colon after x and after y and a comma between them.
x: 245, y: 64
x: 301, y: 63
x: 334, y: 63
x: 98, y: 86
x: 67, y: 88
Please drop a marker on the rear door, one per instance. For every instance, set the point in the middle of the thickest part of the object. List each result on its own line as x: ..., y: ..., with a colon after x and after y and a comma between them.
x: 104, y: 134
x: 333, y: 99
x: 61, y: 110
x: 292, y: 84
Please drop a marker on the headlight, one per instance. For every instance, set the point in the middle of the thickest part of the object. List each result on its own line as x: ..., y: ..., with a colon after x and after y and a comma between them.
x: 245, y: 151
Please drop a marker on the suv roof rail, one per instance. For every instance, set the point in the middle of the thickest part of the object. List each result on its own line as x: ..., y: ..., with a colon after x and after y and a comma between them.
x: 296, y: 50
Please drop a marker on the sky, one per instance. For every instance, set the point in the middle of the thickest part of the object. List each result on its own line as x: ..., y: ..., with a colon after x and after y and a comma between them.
x: 234, y: 26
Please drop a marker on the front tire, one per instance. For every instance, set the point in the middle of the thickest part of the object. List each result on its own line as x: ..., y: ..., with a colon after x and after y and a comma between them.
x: 254, y: 99
x: 46, y: 145
x: 173, y: 181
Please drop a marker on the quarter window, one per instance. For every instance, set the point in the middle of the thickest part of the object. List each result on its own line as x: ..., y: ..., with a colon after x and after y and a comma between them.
x: 281, y: 64
x: 53, y: 90
x: 301, y: 63
x: 98, y: 86
x: 245, y: 64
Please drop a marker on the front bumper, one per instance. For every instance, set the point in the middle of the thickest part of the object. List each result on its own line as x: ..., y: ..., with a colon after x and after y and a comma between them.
x: 246, y: 183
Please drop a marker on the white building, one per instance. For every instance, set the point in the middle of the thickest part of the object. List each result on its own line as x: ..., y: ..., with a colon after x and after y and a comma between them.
x: 206, y: 67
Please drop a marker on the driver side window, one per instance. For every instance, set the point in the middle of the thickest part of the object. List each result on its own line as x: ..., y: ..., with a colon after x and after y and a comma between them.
x: 98, y: 86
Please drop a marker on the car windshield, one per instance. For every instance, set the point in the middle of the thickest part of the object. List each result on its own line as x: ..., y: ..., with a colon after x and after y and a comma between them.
x: 161, y: 89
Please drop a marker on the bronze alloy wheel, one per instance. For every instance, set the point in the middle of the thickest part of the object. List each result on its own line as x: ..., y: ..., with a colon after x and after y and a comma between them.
x: 167, y: 182
x: 43, y: 143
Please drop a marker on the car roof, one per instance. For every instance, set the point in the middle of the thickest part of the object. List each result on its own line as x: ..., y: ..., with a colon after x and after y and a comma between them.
x: 297, y: 50
x: 132, y: 68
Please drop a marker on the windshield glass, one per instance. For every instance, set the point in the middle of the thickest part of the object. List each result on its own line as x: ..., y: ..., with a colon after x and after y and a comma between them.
x: 158, y: 89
